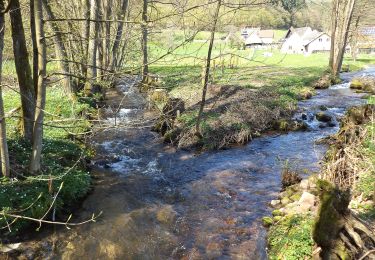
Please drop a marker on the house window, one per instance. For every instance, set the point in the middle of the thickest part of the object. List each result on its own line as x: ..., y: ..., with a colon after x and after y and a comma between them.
x: 320, y: 39
x: 327, y: 39
x: 290, y: 47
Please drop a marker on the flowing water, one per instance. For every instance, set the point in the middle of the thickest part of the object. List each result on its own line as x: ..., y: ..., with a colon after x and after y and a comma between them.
x: 159, y: 203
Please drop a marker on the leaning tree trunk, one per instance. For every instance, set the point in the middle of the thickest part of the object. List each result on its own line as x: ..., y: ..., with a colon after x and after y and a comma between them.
x: 119, y: 32
x: 207, y: 69
x: 92, y: 48
x: 4, y: 155
x: 343, y: 11
x: 86, y: 35
x: 347, y: 22
x: 21, y: 59
x: 108, y: 32
x: 335, y: 6
x: 34, y: 45
x: 35, y: 162
x: 61, y: 53
x: 145, y: 40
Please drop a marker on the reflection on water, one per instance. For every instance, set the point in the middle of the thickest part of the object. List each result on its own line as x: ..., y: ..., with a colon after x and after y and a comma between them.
x: 159, y: 203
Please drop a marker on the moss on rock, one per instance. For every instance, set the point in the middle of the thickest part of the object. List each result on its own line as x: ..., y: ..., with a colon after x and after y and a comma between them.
x: 330, y: 220
x: 267, y: 221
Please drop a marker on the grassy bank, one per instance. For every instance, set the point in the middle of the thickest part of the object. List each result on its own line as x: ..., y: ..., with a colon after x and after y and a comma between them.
x: 296, y: 233
x: 63, y: 161
x: 246, y: 97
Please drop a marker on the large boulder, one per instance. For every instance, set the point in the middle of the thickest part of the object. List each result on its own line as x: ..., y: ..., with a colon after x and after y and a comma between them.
x: 323, y: 83
x: 323, y: 117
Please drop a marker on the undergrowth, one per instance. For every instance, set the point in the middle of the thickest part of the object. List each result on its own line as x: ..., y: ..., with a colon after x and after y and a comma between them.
x: 63, y: 160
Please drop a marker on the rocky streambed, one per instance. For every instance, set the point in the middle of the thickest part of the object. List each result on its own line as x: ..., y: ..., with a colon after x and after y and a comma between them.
x: 160, y: 203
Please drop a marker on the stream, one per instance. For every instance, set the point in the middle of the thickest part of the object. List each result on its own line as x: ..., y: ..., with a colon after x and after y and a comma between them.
x: 161, y: 203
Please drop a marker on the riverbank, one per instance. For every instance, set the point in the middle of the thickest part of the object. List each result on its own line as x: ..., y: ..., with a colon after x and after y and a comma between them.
x: 65, y: 178
x: 300, y: 220
x: 160, y: 202
x: 236, y: 114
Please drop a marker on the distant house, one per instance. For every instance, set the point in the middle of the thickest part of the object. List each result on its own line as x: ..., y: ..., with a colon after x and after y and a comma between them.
x: 257, y: 37
x: 366, y: 40
x: 305, y: 41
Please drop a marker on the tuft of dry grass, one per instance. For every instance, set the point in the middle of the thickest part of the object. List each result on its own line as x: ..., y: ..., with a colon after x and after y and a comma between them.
x: 346, y: 161
x: 233, y: 115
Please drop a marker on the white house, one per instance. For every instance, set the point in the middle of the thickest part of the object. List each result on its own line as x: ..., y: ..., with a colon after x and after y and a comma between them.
x: 305, y: 41
x: 257, y: 37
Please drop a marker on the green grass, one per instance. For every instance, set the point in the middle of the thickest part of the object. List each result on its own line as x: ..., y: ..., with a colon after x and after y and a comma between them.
x: 366, y: 182
x: 290, y: 238
x: 289, y: 77
x: 249, y: 68
x: 62, y: 160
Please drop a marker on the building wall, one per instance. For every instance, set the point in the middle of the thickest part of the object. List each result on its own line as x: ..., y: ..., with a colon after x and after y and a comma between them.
x: 323, y: 43
x: 267, y: 40
x: 293, y: 45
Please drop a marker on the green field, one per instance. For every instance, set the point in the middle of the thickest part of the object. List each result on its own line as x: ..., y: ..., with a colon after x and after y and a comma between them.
x: 286, y: 78
x: 245, y: 67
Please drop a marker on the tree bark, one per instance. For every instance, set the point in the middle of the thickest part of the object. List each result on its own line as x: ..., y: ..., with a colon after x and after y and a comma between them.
x: 4, y: 154
x: 60, y: 49
x: 347, y: 23
x: 118, y: 37
x: 92, y: 48
x: 34, y: 45
x: 35, y: 162
x: 145, y: 40
x: 108, y: 31
x: 207, y: 69
x: 21, y: 59
x: 342, y: 11
x: 86, y: 35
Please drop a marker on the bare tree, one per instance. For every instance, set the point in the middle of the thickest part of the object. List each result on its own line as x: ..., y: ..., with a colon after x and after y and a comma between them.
x: 207, y: 68
x: 21, y: 59
x: 92, y: 47
x: 60, y: 49
x: 120, y: 28
x: 35, y: 162
x: 145, y: 40
x: 342, y: 14
x: 34, y: 45
x: 4, y: 154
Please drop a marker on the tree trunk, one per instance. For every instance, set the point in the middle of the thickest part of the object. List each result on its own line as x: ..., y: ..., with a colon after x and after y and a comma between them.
x: 108, y: 31
x: 92, y: 48
x: 145, y: 40
x: 207, y: 69
x: 21, y: 59
x: 4, y: 154
x: 60, y: 49
x: 35, y: 162
x: 34, y: 45
x: 86, y: 36
x: 347, y: 23
x: 101, y: 45
x: 342, y: 11
x: 119, y: 32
